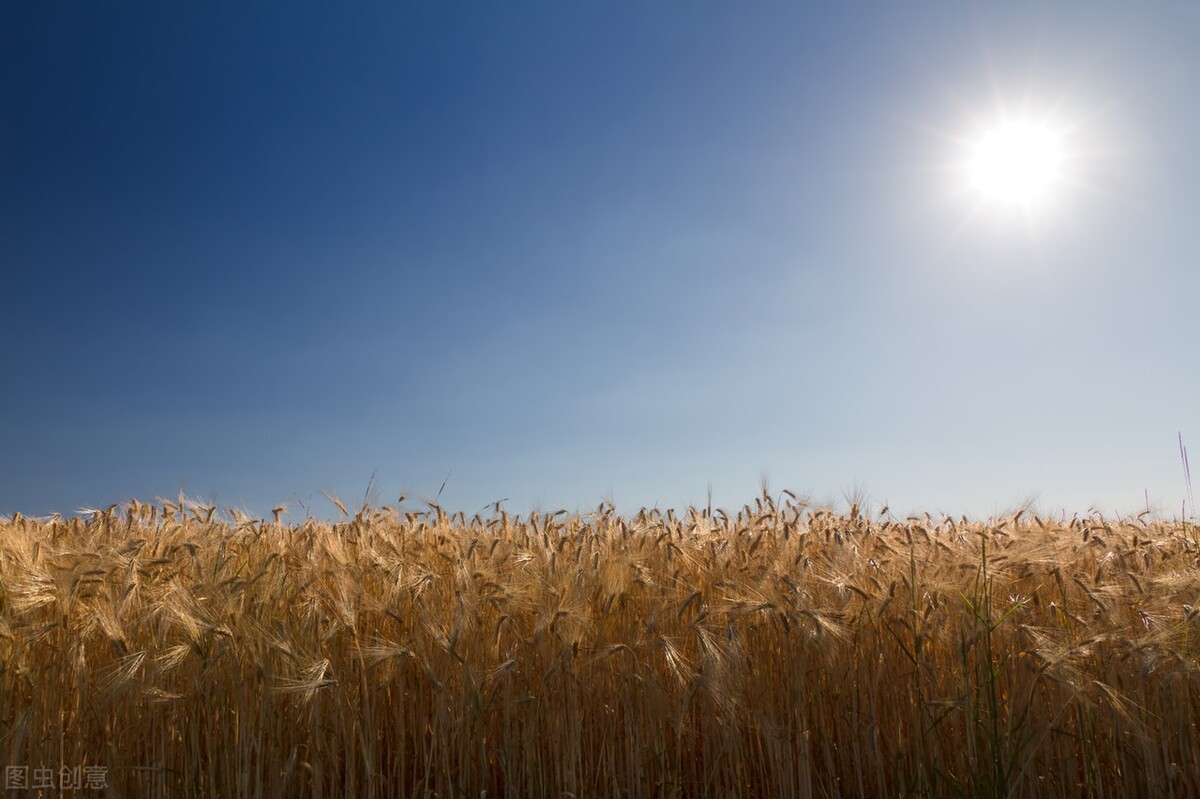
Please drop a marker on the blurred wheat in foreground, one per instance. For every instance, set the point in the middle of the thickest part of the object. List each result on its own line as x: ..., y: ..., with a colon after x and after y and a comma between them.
x: 784, y: 651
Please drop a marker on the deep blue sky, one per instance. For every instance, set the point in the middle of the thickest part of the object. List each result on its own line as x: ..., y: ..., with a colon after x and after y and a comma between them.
x: 569, y: 252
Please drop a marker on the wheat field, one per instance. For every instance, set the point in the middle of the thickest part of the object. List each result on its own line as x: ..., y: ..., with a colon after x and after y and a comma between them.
x: 782, y: 650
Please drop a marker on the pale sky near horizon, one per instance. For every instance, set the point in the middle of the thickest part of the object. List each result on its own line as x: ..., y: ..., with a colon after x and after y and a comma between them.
x: 574, y: 252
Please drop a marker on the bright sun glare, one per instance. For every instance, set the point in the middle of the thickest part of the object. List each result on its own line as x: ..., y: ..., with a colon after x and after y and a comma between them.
x: 1016, y: 163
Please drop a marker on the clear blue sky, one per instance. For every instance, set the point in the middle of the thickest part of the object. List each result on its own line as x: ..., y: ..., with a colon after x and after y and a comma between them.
x: 569, y: 252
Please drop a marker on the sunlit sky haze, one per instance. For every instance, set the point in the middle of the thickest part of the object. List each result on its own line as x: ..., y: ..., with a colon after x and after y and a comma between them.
x: 569, y: 252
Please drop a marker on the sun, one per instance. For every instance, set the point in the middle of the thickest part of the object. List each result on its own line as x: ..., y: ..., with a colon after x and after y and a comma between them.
x: 1016, y: 163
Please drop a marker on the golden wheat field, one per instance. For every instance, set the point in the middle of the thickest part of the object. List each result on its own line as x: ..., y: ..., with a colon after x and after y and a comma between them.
x: 783, y: 650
